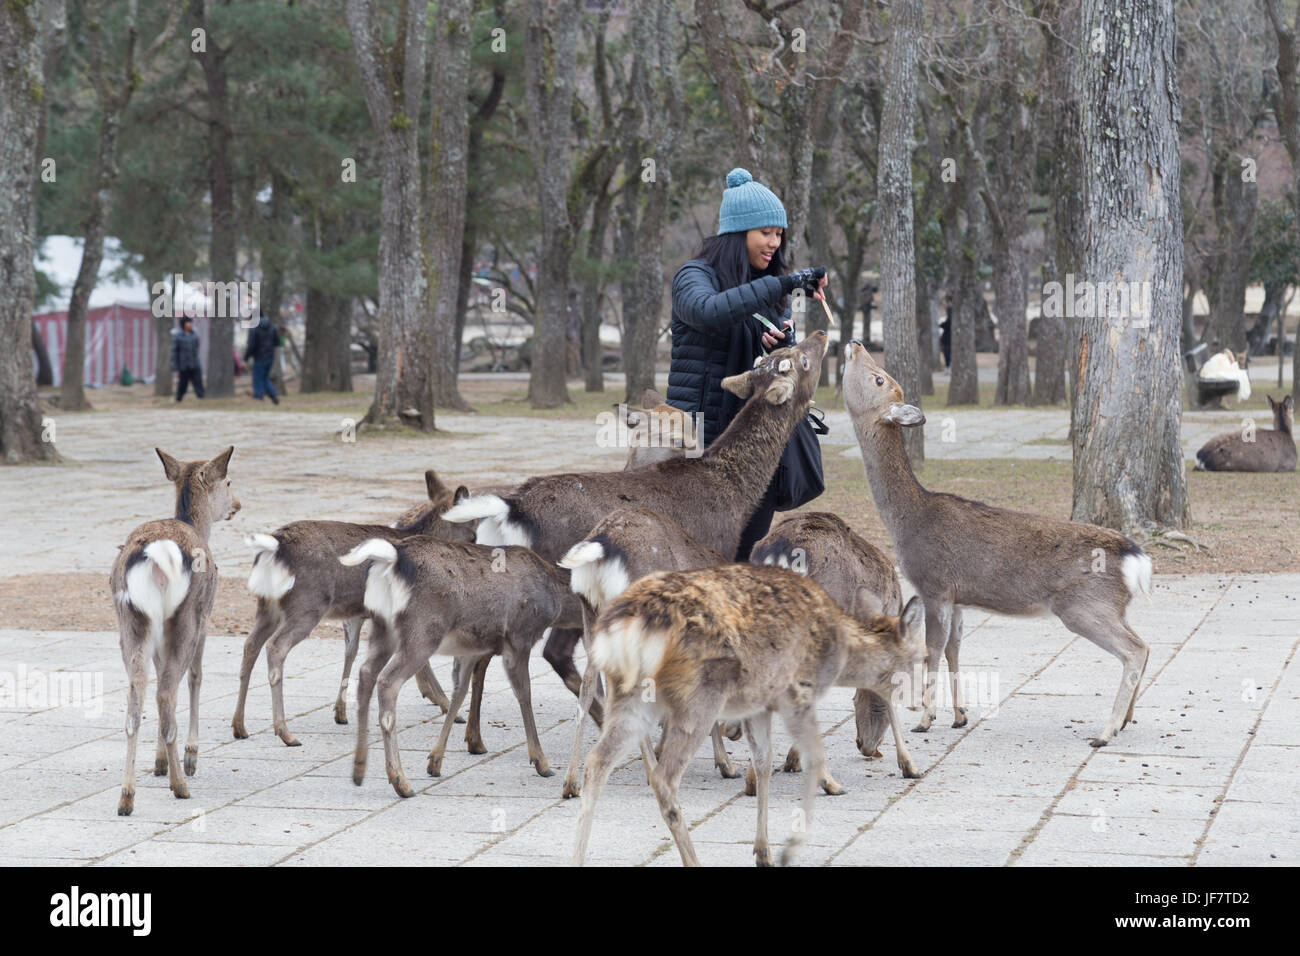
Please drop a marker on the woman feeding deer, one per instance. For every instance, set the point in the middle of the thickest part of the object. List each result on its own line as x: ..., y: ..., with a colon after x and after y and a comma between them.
x: 731, y: 306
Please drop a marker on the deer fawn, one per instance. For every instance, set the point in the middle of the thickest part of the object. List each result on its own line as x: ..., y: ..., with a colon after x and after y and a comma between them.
x: 959, y: 552
x: 736, y: 641
x: 164, y: 582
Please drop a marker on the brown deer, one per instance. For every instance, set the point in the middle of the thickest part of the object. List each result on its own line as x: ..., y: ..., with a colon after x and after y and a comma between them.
x: 673, y: 428
x: 1264, y: 450
x: 737, y: 641
x: 959, y: 552
x: 430, y: 596
x: 863, y: 582
x: 299, y: 582
x: 163, y: 583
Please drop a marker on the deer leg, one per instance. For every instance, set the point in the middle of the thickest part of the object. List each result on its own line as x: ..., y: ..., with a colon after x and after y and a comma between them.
x: 160, y: 747
x: 721, y: 759
x: 268, y: 616
x: 558, y: 651
x: 623, y: 726
x: 905, y: 762
x: 169, y: 680
x: 679, y: 745
x: 758, y: 730
x: 292, y: 630
x: 474, y: 729
x: 1108, y: 630
x: 802, y: 724
x: 457, y: 698
x: 430, y: 689
x: 792, y: 762
x: 381, y: 646
x: 405, y: 662
x: 937, y: 617
x: 137, y: 673
x: 516, y: 663
x: 871, y: 716
x: 196, y: 680
x: 585, y: 696
x: 952, y: 652
x: 351, y: 640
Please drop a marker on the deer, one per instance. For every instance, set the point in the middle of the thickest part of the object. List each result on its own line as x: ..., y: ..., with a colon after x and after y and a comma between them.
x: 623, y: 547
x: 674, y: 428
x: 432, y: 596
x: 298, y: 583
x: 737, y: 641
x: 957, y: 552
x: 863, y: 582
x: 164, y: 582
x: 714, y: 494
x: 1265, y: 450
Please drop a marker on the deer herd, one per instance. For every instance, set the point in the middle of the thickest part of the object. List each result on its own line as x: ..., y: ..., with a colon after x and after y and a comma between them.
x: 636, y: 565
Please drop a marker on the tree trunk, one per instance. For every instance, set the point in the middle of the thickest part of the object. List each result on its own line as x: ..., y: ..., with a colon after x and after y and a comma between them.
x: 592, y: 349
x: 924, y: 335
x: 44, y: 370
x: 222, y: 265
x: 1234, y: 223
x: 392, y: 79
x: 894, y: 189
x: 21, y: 89
x: 446, y: 194
x: 550, y: 48
x: 1128, y: 463
x: 962, y: 254
x: 327, y: 346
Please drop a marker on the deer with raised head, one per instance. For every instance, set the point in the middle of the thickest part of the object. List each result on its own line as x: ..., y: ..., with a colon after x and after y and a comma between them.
x: 429, y: 596
x: 1262, y: 450
x: 958, y: 552
x: 299, y: 582
x: 164, y: 582
x: 863, y: 582
x: 738, y: 641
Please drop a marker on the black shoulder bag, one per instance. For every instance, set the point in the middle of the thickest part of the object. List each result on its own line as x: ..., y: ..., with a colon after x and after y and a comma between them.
x: 799, y: 477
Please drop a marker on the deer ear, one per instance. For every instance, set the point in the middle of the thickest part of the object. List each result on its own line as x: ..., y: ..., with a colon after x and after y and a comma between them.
x: 905, y: 415
x: 171, y: 467
x: 215, y: 470
x: 461, y: 494
x: 1271, y: 403
x: 742, y: 385
x: 650, y: 398
x: 913, y: 617
x: 433, y: 485
x: 779, y: 392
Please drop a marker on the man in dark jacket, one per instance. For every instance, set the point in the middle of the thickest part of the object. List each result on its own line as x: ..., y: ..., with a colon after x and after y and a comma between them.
x: 185, y: 359
x: 262, y: 342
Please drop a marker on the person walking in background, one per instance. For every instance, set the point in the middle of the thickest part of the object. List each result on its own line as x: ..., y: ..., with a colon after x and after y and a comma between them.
x: 185, y: 359
x: 262, y: 342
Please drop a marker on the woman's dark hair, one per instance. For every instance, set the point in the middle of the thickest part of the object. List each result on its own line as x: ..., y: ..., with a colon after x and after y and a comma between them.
x: 730, y: 260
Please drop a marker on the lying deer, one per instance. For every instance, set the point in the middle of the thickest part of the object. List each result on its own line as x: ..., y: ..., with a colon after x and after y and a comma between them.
x: 430, y: 596
x: 299, y: 582
x: 737, y: 641
x: 863, y: 582
x: 958, y: 552
x: 163, y: 583
x: 1264, y: 450
x: 624, y: 547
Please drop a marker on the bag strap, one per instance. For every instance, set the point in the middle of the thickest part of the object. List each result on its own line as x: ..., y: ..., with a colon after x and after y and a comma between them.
x: 817, y: 419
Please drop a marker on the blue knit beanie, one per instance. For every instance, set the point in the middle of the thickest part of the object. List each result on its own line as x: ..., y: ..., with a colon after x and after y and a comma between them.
x: 748, y: 205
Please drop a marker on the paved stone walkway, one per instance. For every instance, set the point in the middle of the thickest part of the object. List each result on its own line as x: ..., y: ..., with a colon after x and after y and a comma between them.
x: 1209, y: 773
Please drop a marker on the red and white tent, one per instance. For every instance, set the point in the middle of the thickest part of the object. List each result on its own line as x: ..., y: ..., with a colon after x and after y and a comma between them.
x: 117, y: 336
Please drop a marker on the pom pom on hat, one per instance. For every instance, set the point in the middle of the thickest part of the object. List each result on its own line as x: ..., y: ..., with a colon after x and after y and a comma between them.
x: 738, y: 177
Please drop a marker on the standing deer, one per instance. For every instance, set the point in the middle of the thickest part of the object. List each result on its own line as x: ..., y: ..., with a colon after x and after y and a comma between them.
x: 737, y: 641
x: 674, y: 429
x: 862, y: 581
x: 430, y: 596
x: 958, y: 552
x: 163, y: 583
x: 1265, y: 451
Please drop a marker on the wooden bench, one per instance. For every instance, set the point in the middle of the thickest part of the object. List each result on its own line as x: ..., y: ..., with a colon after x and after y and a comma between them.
x: 1207, y: 393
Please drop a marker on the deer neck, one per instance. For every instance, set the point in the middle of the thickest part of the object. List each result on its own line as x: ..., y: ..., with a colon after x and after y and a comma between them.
x: 897, y: 493
x: 192, y: 507
x: 746, y: 454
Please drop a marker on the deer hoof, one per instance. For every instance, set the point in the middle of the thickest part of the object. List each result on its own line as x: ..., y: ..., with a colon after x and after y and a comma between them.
x: 570, y: 790
x: 289, y: 739
x: 728, y: 771
x: 402, y: 787
x: 792, y: 765
x: 181, y: 791
x: 358, y: 773
x: 126, y: 804
x: 1098, y: 742
x: 959, y: 719
x: 476, y: 745
x: 459, y: 719
x: 191, y: 761
x: 238, y: 727
x: 762, y: 856
x: 751, y: 783
x: 340, y: 712
x: 435, y: 766
x: 160, y: 767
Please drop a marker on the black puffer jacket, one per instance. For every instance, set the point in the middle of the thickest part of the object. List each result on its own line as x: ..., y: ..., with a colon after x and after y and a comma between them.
x: 716, y: 335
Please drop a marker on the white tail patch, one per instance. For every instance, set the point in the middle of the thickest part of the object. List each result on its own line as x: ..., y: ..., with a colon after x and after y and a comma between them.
x: 1136, y: 569
x: 386, y: 594
x: 157, y: 585
x: 595, y: 577
x: 495, y: 528
x: 627, y: 653
x: 270, y: 577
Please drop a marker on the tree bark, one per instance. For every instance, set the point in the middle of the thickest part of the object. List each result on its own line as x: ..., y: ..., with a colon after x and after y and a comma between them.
x: 1128, y: 462
x: 22, y: 88
x: 730, y: 79
x: 392, y: 78
x: 894, y: 189
x: 327, y: 346
x: 592, y: 350
x: 550, y: 47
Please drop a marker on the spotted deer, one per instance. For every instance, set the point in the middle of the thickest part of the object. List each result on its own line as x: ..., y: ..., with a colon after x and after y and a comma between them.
x: 164, y: 582
x: 737, y: 641
x: 958, y: 552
